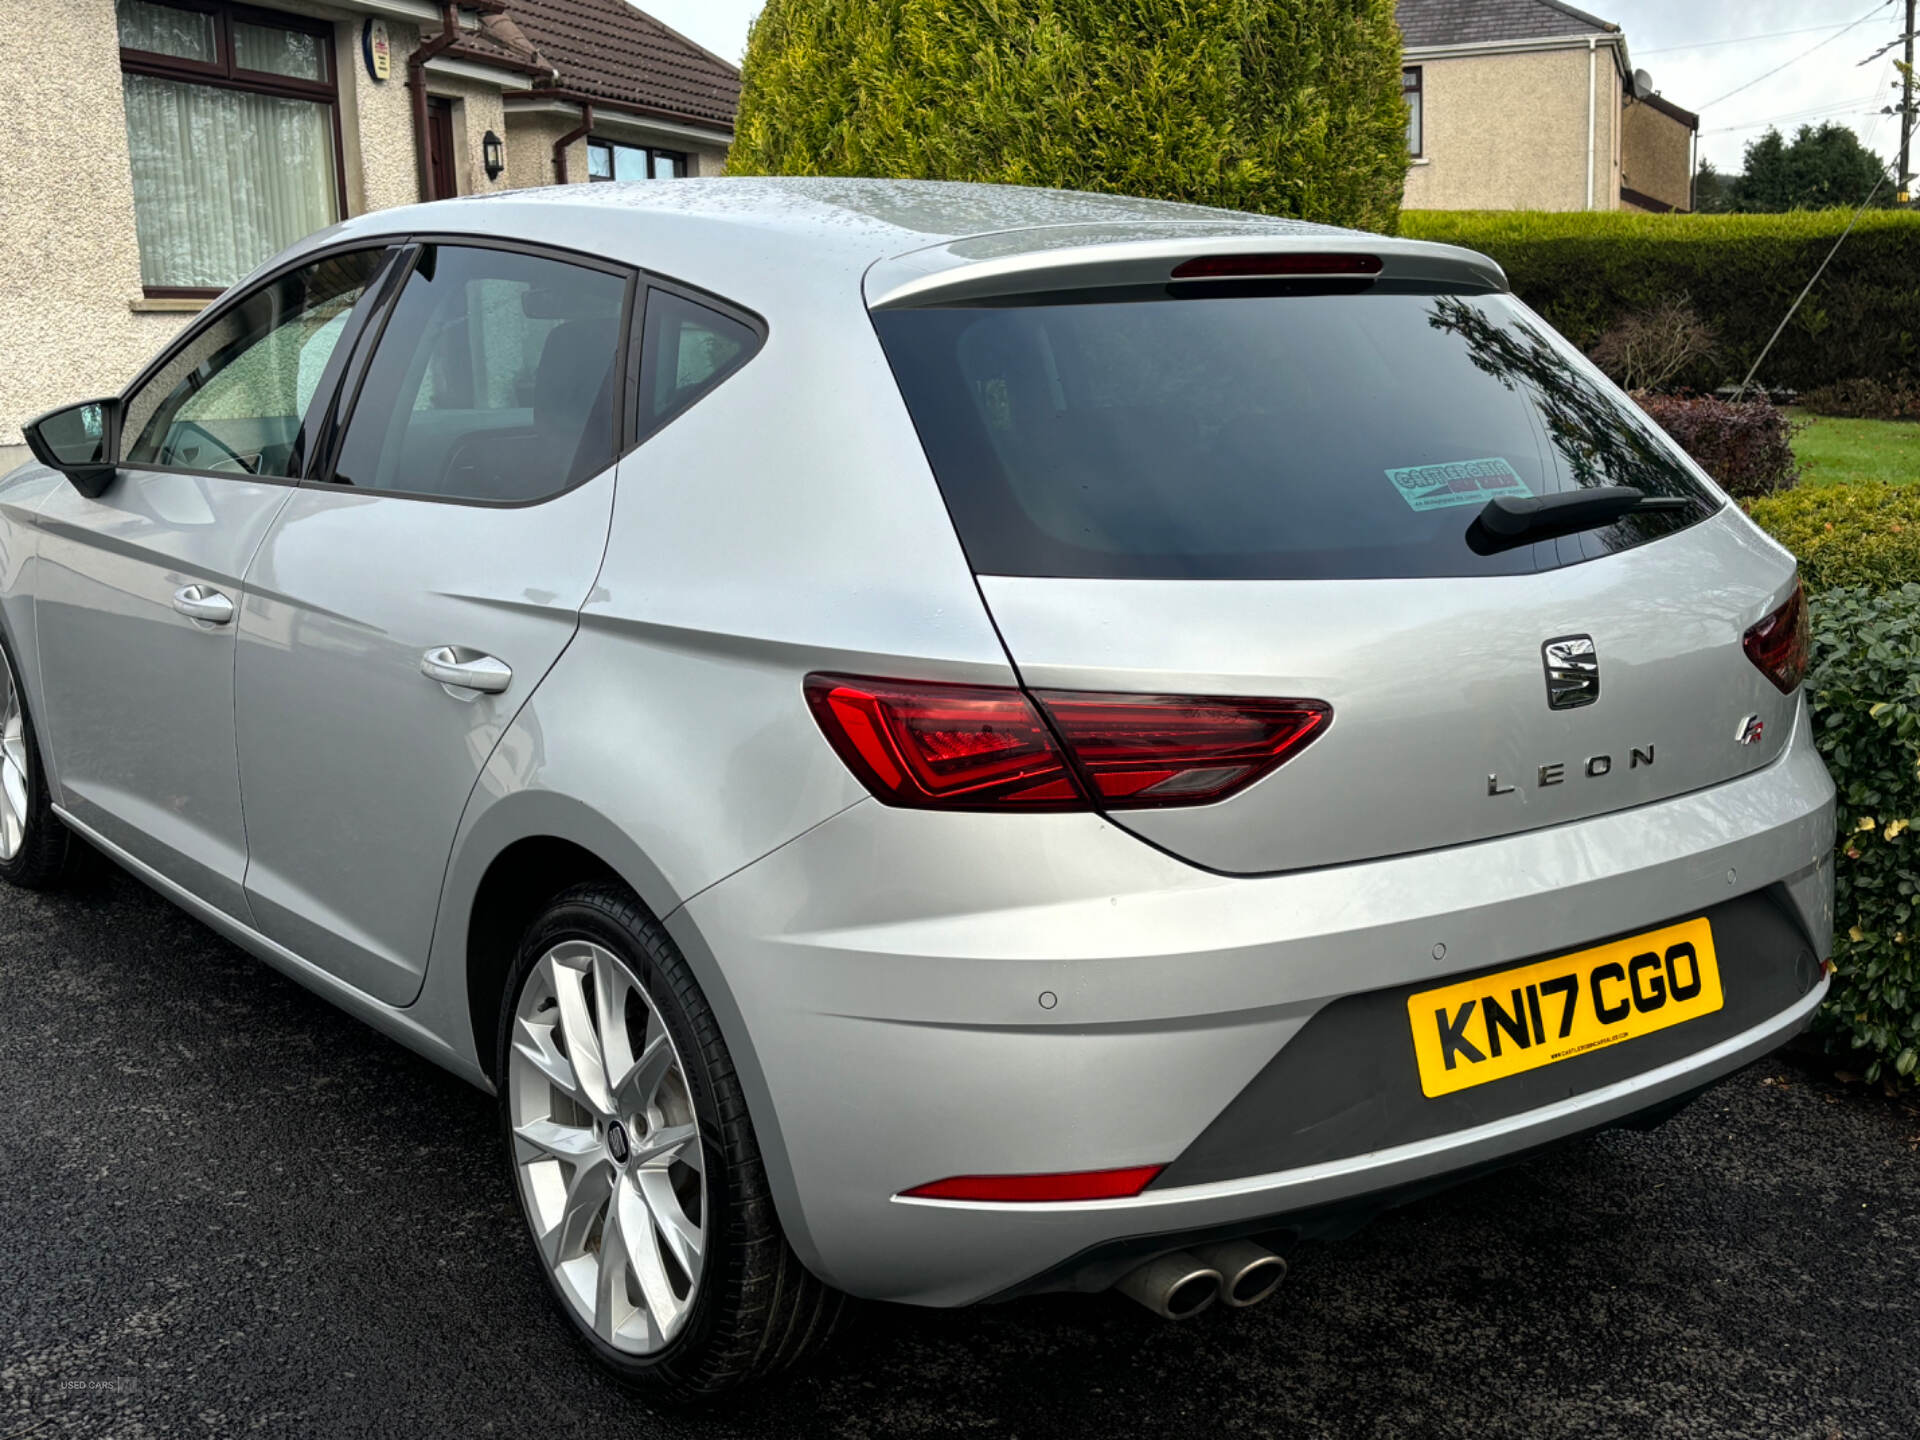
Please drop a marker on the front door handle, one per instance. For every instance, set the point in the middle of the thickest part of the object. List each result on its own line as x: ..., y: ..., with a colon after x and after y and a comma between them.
x: 203, y: 603
x: 465, y: 669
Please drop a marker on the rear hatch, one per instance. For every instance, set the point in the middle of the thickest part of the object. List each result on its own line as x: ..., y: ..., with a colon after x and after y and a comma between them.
x: 1264, y: 486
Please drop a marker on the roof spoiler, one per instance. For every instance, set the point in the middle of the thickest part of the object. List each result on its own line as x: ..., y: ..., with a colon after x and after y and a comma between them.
x: 1027, y: 262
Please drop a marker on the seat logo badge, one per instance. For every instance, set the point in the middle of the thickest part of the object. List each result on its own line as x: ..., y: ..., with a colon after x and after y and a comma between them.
x: 1573, y: 672
x: 617, y: 1143
x: 1750, y: 730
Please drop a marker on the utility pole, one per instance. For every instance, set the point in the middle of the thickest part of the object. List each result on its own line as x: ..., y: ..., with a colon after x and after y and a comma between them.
x: 1906, y: 112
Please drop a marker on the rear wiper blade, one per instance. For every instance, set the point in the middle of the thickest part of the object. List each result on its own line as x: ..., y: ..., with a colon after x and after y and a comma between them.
x: 1509, y: 520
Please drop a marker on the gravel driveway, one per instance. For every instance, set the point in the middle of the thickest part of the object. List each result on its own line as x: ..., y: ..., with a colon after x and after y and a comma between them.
x: 226, y: 1207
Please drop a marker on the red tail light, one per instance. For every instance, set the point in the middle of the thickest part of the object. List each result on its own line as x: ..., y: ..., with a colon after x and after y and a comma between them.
x: 1142, y: 750
x: 1780, y: 644
x: 977, y: 747
x: 1027, y: 1189
x: 1253, y: 267
x: 944, y: 747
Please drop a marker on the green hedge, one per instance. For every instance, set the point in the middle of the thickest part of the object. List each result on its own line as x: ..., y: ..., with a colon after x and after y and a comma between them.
x: 1584, y: 270
x: 1865, y: 534
x: 1859, y: 551
x: 1865, y: 691
x: 1286, y: 106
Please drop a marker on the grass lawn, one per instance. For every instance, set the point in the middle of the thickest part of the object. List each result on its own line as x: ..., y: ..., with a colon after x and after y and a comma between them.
x: 1835, y: 451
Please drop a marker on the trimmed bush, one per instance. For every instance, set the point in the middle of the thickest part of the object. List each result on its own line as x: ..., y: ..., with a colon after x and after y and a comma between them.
x: 1291, y: 107
x: 1587, y: 271
x: 1864, y: 688
x: 1747, y: 447
x: 1866, y: 400
x: 1866, y: 534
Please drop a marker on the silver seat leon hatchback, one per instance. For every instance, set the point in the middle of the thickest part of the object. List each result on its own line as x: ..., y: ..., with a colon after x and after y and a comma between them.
x: 929, y: 742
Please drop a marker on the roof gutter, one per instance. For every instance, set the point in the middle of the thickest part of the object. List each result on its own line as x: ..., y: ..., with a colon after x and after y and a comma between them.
x: 623, y: 107
x: 1582, y: 41
x: 579, y: 132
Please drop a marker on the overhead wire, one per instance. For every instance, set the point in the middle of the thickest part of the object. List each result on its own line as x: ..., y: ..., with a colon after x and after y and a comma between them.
x: 1742, y: 39
x: 1814, y: 279
x: 1788, y: 64
x: 1811, y: 112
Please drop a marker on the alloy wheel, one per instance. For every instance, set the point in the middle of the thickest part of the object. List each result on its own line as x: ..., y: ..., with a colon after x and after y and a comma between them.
x: 606, y: 1147
x: 15, y: 784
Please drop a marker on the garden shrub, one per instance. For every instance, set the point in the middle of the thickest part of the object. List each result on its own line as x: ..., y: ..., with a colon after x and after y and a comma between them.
x: 1866, y: 399
x: 1866, y: 534
x: 1644, y: 350
x: 1586, y: 270
x: 1291, y: 107
x: 1746, y: 447
x: 1864, y: 689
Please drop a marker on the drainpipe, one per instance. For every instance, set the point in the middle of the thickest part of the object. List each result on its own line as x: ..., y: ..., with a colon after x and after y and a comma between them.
x: 1593, y: 103
x: 579, y: 131
x: 417, y: 88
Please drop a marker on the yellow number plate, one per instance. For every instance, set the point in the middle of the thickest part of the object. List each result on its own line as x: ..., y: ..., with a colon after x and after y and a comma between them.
x: 1500, y: 1025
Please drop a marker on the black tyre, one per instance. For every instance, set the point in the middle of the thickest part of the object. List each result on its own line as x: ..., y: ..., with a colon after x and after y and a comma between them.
x: 635, y: 1163
x: 37, y: 852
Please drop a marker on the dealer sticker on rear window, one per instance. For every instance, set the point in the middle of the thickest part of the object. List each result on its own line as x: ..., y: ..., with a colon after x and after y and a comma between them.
x: 1463, y: 482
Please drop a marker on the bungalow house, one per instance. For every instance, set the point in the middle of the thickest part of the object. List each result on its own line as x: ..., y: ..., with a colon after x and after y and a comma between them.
x: 160, y: 149
x: 1535, y: 105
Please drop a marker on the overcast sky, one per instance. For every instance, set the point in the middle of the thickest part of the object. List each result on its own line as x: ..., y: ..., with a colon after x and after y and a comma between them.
x: 1696, y: 50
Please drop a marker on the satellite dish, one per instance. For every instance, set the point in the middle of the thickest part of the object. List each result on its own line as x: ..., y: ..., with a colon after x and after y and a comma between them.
x: 1642, y: 84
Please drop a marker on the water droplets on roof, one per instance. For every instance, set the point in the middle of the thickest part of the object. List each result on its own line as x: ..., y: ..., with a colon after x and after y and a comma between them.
x: 931, y: 209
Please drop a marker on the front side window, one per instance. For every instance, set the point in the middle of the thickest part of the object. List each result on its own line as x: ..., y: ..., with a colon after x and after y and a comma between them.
x: 607, y: 160
x: 231, y: 131
x: 1413, y: 92
x: 494, y: 379
x: 234, y: 398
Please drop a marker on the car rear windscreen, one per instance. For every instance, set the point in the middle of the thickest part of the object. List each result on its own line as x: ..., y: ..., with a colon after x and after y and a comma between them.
x: 1267, y: 436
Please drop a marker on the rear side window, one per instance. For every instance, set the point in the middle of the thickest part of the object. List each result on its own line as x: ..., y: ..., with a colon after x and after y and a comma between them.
x: 494, y: 379
x: 1266, y: 436
x: 690, y: 348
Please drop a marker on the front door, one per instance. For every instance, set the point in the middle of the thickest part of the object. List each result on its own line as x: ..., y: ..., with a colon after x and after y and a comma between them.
x: 399, y: 615
x: 440, y: 169
x: 140, y: 588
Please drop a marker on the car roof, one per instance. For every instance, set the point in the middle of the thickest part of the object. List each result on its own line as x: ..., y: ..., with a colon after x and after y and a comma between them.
x: 773, y: 232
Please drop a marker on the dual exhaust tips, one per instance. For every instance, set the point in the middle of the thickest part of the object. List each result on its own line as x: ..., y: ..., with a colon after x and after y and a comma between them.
x: 1181, y: 1285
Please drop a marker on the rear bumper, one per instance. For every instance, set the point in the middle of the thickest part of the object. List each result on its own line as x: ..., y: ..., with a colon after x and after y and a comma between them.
x: 911, y: 996
x: 1313, y: 1197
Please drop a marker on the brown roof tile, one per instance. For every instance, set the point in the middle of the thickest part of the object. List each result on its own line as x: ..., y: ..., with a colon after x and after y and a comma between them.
x: 612, y: 51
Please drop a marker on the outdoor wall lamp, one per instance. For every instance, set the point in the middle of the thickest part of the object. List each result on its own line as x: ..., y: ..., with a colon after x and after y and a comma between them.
x: 493, y: 155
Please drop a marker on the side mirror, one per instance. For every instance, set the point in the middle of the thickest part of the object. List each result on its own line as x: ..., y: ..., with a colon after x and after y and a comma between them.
x: 81, y: 442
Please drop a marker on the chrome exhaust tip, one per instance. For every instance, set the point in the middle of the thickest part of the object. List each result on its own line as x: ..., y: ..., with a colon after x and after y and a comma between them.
x: 1174, y: 1287
x: 1249, y: 1273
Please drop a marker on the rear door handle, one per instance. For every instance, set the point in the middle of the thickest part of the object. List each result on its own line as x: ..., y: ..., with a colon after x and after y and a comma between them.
x: 465, y: 669
x: 203, y: 603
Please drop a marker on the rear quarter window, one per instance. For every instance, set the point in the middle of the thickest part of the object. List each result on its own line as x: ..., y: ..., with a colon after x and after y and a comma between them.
x: 1275, y: 436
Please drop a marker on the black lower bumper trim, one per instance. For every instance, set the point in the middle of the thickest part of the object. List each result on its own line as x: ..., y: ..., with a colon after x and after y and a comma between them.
x: 1100, y: 1267
x: 1346, y: 1084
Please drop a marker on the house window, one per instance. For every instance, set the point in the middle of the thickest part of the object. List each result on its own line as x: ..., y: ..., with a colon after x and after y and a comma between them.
x: 233, y: 130
x: 608, y: 161
x: 1411, y: 93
